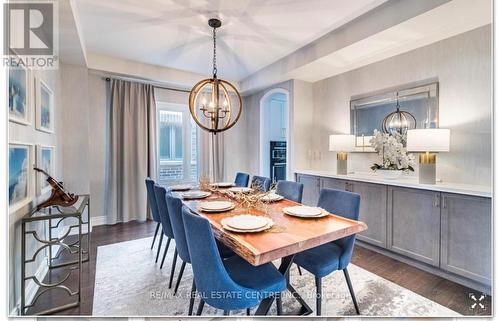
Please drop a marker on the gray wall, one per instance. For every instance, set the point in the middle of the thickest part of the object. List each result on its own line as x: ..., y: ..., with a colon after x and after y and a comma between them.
x: 462, y: 65
x: 300, y: 115
x: 28, y: 134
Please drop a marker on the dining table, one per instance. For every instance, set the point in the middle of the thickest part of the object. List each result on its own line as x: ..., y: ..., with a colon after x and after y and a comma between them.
x: 288, y: 236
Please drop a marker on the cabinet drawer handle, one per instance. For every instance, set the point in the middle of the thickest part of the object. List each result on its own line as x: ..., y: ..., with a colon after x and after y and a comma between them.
x: 444, y: 202
x: 436, y: 200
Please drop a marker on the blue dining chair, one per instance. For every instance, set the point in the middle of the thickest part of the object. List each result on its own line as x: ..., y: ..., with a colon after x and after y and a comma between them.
x: 161, y: 193
x: 214, y: 276
x: 290, y: 190
x: 175, y: 210
x: 241, y: 179
x: 154, y: 211
x: 261, y: 183
x: 336, y: 255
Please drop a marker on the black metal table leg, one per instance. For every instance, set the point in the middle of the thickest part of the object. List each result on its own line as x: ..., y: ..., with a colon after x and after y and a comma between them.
x: 266, y: 304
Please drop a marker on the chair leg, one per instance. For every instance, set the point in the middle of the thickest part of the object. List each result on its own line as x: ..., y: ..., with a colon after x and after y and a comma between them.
x: 172, y: 271
x: 351, y: 290
x: 159, y: 247
x: 165, y: 253
x: 156, y: 233
x: 300, y: 270
x: 226, y: 312
x: 279, y: 304
x: 318, y: 296
x: 183, y: 266
x: 248, y: 311
x: 200, y: 307
x: 191, y: 299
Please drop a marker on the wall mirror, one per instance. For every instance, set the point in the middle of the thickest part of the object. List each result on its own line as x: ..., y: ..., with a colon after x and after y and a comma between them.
x: 368, y: 110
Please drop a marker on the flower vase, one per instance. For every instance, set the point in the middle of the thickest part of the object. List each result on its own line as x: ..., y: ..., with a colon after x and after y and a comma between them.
x: 389, y: 173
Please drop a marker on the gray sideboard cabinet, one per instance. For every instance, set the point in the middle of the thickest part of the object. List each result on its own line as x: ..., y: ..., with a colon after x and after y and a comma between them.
x: 443, y: 232
x: 466, y: 236
x: 335, y: 183
x: 413, y: 223
x: 372, y: 211
x: 310, y: 194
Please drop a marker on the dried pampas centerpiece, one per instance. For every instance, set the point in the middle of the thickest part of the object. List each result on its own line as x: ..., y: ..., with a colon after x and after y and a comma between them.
x: 249, y: 200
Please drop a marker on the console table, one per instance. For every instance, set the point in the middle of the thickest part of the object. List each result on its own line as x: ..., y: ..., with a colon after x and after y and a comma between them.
x: 443, y: 229
x: 66, y: 245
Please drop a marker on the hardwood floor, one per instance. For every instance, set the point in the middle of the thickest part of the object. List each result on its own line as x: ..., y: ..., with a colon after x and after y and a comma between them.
x: 435, y: 288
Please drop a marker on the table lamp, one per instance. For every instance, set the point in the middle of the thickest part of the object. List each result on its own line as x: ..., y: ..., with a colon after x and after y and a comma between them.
x: 426, y: 141
x: 342, y: 144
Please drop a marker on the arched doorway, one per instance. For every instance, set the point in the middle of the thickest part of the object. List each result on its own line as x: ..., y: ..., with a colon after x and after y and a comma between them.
x: 274, y: 149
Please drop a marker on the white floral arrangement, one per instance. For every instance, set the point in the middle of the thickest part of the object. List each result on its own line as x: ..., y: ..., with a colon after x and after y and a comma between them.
x: 393, y: 152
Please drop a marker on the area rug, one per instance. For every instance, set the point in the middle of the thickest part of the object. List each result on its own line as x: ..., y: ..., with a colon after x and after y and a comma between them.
x: 128, y: 282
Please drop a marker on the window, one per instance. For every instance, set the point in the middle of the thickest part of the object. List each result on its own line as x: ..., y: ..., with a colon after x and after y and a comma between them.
x: 177, y: 145
x: 170, y: 124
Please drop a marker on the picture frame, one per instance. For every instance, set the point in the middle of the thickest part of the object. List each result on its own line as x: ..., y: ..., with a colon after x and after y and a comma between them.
x: 44, y: 107
x: 20, y: 89
x: 21, y: 176
x: 45, y: 159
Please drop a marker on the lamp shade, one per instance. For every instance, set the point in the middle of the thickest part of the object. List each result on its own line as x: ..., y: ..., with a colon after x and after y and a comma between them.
x: 428, y: 140
x: 342, y: 143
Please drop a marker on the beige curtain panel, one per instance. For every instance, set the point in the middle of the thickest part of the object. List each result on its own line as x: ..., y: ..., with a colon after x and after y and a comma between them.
x: 212, y: 156
x: 131, y: 149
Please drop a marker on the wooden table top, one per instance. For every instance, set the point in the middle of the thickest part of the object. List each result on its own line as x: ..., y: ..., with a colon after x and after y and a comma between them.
x: 288, y: 236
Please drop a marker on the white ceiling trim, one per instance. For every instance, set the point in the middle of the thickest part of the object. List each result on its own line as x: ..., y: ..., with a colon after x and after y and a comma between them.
x: 443, y: 22
x: 156, y: 74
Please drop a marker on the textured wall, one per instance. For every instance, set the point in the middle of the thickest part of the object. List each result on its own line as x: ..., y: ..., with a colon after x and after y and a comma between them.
x: 28, y: 134
x: 461, y: 64
x: 300, y: 108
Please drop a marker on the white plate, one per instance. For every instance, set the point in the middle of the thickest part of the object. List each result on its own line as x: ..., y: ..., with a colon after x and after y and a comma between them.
x: 272, y: 197
x: 178, y: 188
x: 246, y: 222
x: 304, y: 211
x: 223, y: 184
x: 216, y: 206
x: 240, y: 189
x: 195, y: 194
x: 229, y: 228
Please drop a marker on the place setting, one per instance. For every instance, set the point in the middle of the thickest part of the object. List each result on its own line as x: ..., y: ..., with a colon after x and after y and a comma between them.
x: 216, y: 206
x: 271, y: 197
x: 193, y: 195
x: 180, y: 187
x: 222, y: 184
x: 305, y: 211
x: 240, y: 189
x: 247, y: 223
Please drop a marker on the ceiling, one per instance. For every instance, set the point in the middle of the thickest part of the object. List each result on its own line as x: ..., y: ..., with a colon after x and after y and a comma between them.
x: 175, y: 34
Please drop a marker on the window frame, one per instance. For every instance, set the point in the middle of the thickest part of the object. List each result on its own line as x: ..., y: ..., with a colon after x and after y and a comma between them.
x: 186, y: 142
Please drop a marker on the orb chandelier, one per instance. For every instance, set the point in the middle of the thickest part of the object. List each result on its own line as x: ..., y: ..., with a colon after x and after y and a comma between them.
x: 399, y: 121
x: 214, y: 103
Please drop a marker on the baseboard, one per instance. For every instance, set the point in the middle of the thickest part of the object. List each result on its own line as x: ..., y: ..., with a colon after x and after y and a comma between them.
x: 31, y: 287
x: 99, y: 220
x: 94, y: 221
x: 427, y: 268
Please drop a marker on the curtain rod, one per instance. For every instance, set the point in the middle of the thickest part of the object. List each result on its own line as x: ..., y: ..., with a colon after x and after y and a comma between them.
x: 155, y: 86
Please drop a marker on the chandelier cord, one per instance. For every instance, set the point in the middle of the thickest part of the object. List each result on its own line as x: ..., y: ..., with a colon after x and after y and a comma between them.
x: 215, y: 55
